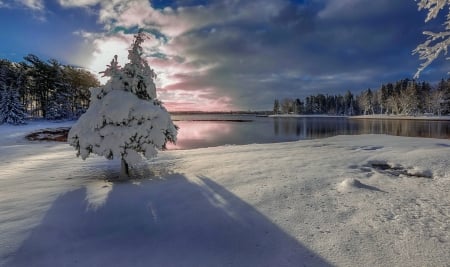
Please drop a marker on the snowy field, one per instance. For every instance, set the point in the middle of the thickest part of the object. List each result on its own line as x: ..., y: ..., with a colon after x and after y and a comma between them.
x: 368, y: 200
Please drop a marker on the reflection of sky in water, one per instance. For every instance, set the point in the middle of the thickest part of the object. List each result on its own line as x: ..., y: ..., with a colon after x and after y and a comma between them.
x: 198, y: 131
x: 194, y: 134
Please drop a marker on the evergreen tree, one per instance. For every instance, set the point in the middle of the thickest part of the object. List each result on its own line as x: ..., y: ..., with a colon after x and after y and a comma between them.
x: 79, y: 81
x: 365, y: 101
x: 59, y: 104
x: 125, y: 119
x: 299, y: 106
x: 276, y: 106
x: 11, y: 110
x: 382, y: 99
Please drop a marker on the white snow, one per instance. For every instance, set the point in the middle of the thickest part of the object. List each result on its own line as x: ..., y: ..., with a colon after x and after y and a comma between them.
x: 367, y: 200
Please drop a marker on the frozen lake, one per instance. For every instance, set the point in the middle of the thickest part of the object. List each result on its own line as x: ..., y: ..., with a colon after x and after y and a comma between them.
x: 213, y: 130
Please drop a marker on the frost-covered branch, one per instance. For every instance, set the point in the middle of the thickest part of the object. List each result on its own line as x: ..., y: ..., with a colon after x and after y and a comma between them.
x: 433, y: 7
x: 437, y: 42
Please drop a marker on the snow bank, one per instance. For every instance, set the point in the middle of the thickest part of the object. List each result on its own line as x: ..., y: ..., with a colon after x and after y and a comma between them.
x: 402, y: 117
x: 344, y: 201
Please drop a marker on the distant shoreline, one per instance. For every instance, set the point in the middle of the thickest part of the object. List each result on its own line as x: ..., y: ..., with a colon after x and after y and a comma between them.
x: 374, y: 117
x: 306, y: 116
x: 358, y: 117
x: 400, y: 117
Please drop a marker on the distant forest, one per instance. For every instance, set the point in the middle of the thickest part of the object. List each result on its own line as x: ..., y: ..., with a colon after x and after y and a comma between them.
x: 36, y: 88
x: 404, y: 97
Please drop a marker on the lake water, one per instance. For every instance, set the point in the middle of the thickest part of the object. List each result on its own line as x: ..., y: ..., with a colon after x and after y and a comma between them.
x: 214, y: 130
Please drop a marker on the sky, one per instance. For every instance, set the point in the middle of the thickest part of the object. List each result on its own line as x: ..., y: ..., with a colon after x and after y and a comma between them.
x: 222, y: 55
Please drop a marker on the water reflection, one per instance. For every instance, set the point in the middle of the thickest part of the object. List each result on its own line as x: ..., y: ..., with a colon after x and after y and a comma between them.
x: 199, y: 132
x: 195, y: 134
x: 412, y: 128
x: 310, y: 128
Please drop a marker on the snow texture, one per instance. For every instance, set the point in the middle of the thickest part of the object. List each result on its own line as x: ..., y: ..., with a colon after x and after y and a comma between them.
x: 341, y: 201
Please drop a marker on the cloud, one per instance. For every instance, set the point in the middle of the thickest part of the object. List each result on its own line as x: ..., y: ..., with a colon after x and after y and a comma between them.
x: 78, y: 3
x: 35, y: 5
x: 246, y: 53
x: 32, y: 4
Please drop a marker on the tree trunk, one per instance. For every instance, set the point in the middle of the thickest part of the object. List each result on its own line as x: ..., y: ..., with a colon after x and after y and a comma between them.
x: 124, y: 170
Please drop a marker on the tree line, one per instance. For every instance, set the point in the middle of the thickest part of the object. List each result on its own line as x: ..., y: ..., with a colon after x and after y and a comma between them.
x: 404, y: 97
x: 35, y: 88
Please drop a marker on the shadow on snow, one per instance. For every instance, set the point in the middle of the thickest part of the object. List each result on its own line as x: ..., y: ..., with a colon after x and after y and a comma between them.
x: 171, y: 222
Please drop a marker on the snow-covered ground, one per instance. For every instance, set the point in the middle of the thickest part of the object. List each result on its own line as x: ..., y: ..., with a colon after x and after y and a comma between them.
x: 368, y: 200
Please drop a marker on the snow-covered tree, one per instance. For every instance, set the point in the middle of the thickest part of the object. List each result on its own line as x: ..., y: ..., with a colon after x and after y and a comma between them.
x: 366, y: 101
x: 59, y: 106
x: 125, y: 119
x: 437, y: 42
x: 11, y: 110
x: 408, y: 100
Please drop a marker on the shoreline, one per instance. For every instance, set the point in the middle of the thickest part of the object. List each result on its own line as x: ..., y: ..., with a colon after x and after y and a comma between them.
x: 306, y: 116
x: 375, y: 117
x: 401, y: 117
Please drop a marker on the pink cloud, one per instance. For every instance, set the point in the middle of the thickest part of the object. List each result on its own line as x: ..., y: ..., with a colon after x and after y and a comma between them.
x: 182, y: 76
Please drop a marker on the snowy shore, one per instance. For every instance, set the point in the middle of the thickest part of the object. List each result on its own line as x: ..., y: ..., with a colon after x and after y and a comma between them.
x: 383, y: 117
x: 367, y: 200
x: 401, y: 117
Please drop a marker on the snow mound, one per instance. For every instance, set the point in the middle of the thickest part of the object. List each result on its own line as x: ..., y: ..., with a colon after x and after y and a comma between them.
x: 351, y: 184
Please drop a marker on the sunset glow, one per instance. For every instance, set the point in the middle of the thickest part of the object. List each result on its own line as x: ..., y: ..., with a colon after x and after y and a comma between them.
x: 192, y: 133
x: 229, y: 55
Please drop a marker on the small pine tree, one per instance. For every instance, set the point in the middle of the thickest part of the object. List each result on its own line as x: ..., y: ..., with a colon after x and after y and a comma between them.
x: 59, y: 106
x: 11, y: 110
x: 124, y: 119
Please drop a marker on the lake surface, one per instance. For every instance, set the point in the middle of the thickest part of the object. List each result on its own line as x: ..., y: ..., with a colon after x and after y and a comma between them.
x: 198, y: 131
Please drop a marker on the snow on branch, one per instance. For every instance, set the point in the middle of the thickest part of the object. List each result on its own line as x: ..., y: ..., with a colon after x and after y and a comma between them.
x: 125, y: 119
x: 433, y: 7
x: 437, y: 42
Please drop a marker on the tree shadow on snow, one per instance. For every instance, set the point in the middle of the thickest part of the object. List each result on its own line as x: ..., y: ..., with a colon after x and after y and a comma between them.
x: 171, y: 222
